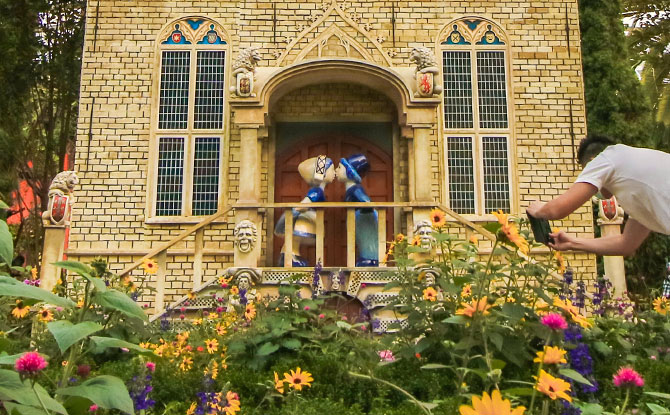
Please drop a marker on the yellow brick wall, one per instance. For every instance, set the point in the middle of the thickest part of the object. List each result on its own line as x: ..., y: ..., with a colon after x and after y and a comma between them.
x: 111, y: 207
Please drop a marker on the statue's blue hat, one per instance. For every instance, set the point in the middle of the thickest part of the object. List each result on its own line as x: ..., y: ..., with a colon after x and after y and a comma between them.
x: 357, y: 166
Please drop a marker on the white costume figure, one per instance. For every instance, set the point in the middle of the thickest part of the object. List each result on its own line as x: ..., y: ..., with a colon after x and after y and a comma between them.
x: 317, y: 172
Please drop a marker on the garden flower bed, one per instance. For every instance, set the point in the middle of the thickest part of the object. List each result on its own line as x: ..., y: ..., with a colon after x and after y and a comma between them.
x: 491, y: 335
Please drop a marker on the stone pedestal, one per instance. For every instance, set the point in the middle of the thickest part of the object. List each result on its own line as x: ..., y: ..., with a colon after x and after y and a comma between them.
x: 614, y: 265
x: 54, y: 247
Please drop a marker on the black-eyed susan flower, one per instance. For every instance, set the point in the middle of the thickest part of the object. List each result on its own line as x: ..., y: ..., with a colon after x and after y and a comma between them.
x: 45, y: 315
x: 429, y: 294
x: 149, y: 266
x: 212, y: 345
x: 297, y: 379
x: 553, y: 387
x: 491, y: 405
x: 21, y: 310
x: 437, y: 218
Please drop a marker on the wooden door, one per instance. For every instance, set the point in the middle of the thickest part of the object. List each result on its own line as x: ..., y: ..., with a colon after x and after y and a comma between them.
x: 290, y: 187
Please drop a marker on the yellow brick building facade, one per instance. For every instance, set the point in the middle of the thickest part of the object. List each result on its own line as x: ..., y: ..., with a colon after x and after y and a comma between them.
x: 170, y: 133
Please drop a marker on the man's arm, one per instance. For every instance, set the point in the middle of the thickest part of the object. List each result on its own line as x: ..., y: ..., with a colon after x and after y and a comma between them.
x: 626, y: 244
x: 565, y: 204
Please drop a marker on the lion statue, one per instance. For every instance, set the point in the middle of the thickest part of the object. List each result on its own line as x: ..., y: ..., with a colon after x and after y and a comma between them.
x: 424, y: 59
x: 247, y: 60
x: 62, y: 185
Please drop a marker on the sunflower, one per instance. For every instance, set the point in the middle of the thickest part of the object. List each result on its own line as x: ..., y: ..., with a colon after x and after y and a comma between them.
x: 212, y: 345
x: 191, y: 409
x: 551, y: 356
x: 220, y: 329
x: 437, y: 218
x: 21, y: 310
x: 429, y: 294
x: 45, y: 315
x: 511, y: 232
x: 232, y: 405
x: 399, y: 237
x: 416, y: 241
x: 662, y: 305
x: 279, y: 384
x: 466, y: 291
x: 469, y: 309
x: 491, y: 405
x: 186, y: 364
x: 149, y: 266
x: 298, y: 379
x: 250, y: 311
x: 553, y: 387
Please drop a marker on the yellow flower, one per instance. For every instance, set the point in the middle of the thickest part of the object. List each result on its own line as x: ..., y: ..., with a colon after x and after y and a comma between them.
x: 491, y: 405
x: 232, y: 403
x: 186, y: 364
x: 33, y: 273
x: 234, y: 290
x: 80, y: 302
x: 541, y: 307
x: 279, y: 384
x: 45, y: 315
x: 192, y: 295
x: 149, y: 266
x: 551, y: 356
x: 473, y: 239
x: 573, y: 311
x: 147, y: 345
x: 416, y: 241
x: 63, y: 363
x: 191, y: 409
x: 553, y: 387
x: 662, y: 305
x: 250, y: 311
x: 510, y: 230
x: 183, y: 337
x: 21, y: 310
x: 437, y: 218
x: 220, y: 329
x: 160, y: 350
x: 212, y: 316
x: 466, y: 291
x: 212, y: 370
x: 560, y: 262
x: 430, y: 294
x: 475, y: 306
x: 224, y: 280
x: 212, y: 345
x: 197, y: 322
x: 298, y: 379
x: 399, y: 237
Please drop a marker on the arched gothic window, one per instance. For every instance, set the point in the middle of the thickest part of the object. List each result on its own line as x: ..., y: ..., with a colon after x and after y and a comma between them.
x: 189, y: 118
x: 477, y: 130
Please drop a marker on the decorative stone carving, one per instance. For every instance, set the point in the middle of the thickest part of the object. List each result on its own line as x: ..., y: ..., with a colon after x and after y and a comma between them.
x: 244, y: 69
x: 245, y: 279
x: 61, y: 198
x: 424, y: 230
x: 426, y: 71
x: 246, y: 235
x: 609, y: 211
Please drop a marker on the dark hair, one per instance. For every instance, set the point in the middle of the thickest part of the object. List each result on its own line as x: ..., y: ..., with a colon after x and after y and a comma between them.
x: 591, y: 146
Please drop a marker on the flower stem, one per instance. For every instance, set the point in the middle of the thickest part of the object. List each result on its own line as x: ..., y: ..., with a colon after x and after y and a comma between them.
x: 39, y: 398
x: 625, y: 402
x: 396, y: 387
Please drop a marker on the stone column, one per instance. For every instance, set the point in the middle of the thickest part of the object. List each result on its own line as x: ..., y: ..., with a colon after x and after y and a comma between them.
x: 250, y: 166
x: 610, y: 219
x: 52, y: 251
x: 422, y: 172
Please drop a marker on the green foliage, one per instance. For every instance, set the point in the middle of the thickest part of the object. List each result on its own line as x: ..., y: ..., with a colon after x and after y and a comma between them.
x: 107, y: 392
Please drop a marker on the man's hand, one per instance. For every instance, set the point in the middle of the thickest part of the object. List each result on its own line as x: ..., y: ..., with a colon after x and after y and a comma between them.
x: 535, y: 208
x: 562, y: 241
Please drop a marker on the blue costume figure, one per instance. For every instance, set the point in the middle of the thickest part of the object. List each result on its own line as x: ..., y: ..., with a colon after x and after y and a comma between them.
x: 317, y: 172
x: 350, y: 171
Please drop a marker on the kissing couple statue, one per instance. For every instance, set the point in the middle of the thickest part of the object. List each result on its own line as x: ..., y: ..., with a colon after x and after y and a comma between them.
x: 318, y: 172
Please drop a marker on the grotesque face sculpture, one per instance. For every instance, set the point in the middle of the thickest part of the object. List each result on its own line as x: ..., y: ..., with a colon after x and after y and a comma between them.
x: 424, y: 230
x: 243, y: 282
x: 430, y: 279
x: 490, y: 36
x: 245, y: 236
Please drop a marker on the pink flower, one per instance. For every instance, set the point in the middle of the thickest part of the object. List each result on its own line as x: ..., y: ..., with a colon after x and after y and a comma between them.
x: 125, y: 349
x: 151, y: 366
x: 182, y: 309
x: 181, y: 316
x: 386, y: 355
x: 554, y: 321
x: 59, y: 309
x: 627, y: 377
x: 322, y: 315
x: 30, y: 363
x: 219, y: 309
x: 306, y: 308
x: 93, y: 408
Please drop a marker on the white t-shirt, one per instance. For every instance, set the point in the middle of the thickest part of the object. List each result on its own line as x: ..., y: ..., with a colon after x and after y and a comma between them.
x: 640, y: 180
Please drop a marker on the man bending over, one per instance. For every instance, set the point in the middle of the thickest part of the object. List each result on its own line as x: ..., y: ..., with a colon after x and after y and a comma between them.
x: 640, y: 180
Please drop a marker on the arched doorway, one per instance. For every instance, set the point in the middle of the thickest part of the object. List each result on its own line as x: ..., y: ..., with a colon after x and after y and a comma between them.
x: 290, y: 187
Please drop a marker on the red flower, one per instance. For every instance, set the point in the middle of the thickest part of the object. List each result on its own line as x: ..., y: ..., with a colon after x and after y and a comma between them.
x: 151, y: 366
x: 627, y: 377
x: 30, y: 363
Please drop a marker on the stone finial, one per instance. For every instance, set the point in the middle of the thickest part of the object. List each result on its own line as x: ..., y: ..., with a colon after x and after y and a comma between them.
x: 61, y: 198
x: 244, y: 68
x: 427, y: 69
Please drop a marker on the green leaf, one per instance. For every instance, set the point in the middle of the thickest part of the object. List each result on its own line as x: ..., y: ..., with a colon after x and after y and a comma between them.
x: 518, y: 391
x: 497, y: 339
x: 109, y: 342
x: 84, y: 271
x: 515, y: 312
x: 574, y: 375
x: 267, y: 349
x: 456, y: 320
x: 431, y: 366
x: 18, y: 409
x: 67, y: 334
x: 590, y: 408
x: 12, y: 288
x: 602, y: 348
x: 118, y: 301
x: 293, y: 344
x: 493, y: 227
x: 13, y: 388
x: 9, y: 360
x: 107, y: 392
x: 658, y: 395
x: 343, y: 325
x: 657, y: 409
x: 6, y: 244
x: 3, y: 205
